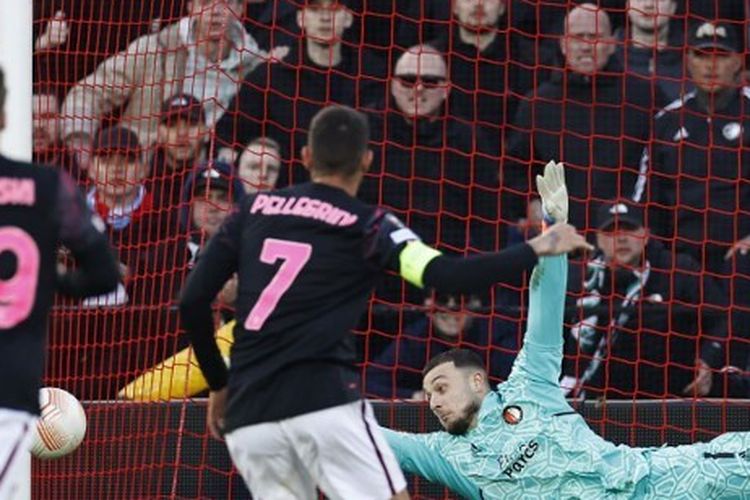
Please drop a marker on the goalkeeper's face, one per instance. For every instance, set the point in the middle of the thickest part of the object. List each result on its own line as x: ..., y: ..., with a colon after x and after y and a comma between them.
x: 455, y: 396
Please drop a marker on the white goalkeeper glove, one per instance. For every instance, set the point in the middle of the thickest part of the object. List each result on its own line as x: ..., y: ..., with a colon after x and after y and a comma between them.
x: 554, y: 193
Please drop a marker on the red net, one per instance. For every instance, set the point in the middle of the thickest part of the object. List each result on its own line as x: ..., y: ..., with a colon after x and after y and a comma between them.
x: 467, y: 101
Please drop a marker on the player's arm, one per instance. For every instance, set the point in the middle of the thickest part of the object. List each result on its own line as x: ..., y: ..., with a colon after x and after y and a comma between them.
x: 537, y: 367
x: 398, y: 248
x: 415, y: 456
x: 539, y: 361
x: 217, y: 264
x: 83, y: 234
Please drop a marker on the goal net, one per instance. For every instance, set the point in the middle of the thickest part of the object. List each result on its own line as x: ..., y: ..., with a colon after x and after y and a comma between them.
x: 467, y: 100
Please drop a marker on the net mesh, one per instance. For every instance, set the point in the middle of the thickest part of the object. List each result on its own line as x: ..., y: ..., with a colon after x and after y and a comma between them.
x: 467, y: 100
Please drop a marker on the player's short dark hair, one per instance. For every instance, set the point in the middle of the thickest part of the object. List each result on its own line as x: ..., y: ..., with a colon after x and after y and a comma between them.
x: 338, y: 138
x: 2, y: 89
x: 462, y: 358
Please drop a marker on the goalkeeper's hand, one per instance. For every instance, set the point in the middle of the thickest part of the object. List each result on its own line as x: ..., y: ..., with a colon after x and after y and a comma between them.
x: 554, y: 192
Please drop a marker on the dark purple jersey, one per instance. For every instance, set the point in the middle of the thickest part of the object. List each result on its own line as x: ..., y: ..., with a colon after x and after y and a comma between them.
x: 39, y: 209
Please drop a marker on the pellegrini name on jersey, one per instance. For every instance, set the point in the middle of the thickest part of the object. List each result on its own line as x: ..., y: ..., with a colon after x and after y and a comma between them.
x: 311, y: 208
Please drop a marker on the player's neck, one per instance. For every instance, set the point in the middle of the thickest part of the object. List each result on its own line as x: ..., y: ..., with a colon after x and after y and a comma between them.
x: 349, y: 185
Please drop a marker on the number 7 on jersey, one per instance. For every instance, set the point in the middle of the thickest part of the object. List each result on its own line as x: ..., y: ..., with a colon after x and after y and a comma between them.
x: 294, y: 256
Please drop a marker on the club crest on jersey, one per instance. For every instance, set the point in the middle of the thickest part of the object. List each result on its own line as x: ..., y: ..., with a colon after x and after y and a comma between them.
x: 512, y: 414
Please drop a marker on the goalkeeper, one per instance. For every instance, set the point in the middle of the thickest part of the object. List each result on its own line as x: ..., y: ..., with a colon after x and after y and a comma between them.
x: 523, y: 440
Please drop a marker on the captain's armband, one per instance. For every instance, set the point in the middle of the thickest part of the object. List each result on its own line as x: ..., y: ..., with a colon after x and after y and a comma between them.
x: 413, y: 260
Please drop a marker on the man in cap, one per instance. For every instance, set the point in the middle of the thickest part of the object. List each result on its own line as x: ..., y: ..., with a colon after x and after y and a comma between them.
x: 181, y: 144
x: 181, y: 134
x: 207, y: 199
x: 640, y: 327
x: 693, y: 173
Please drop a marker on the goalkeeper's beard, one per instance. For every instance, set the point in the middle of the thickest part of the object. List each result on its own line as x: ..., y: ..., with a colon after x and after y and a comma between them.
x: 460, y: 426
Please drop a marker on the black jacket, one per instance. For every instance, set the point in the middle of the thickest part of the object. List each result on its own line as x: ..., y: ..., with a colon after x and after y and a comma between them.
x: 598, y: 126
x: 653, y: 341
x: 279, y: 99
x: 664, y: 68
x: 695, y: 177
x: 486, y: 86
x: 426, y: 172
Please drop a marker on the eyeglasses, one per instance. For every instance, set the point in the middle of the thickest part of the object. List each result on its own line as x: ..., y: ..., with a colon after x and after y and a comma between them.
x: 428, y: 81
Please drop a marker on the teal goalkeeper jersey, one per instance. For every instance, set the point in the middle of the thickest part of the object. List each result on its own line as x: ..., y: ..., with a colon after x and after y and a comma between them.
x: 528, y: 442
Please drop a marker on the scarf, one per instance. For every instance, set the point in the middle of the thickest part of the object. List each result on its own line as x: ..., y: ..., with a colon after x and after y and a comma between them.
x: 120, y: 216
x: 597, y: 342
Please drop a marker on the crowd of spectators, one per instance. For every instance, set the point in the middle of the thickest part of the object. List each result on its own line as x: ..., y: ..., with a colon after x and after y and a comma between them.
x: 643, y: 100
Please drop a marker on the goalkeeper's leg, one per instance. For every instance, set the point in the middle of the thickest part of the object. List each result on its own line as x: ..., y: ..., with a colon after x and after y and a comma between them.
x: 717, y: 469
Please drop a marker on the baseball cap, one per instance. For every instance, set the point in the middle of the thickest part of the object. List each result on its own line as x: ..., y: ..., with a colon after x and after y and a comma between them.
x: 215, y: 174
x: 619, y: 214
x: 182, y: 106
x: 117, y: 140
x: 714, y: 35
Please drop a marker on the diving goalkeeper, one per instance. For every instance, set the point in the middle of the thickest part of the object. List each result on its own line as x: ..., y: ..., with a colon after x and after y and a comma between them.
x: 523, y: 440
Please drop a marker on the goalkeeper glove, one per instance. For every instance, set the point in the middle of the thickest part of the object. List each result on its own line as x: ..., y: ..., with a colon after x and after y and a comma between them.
x: 554, y: 193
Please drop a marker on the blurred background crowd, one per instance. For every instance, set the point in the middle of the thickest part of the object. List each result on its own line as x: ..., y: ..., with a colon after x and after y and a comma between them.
x: 168, y: 112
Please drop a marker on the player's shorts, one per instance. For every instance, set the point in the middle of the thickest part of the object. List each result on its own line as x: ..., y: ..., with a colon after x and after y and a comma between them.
x: 339, y: 449
x: 16, y: 432
x: 717, y: 469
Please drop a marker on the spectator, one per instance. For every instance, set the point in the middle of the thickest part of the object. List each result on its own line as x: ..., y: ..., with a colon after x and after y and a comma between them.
x: 697, y: 155
x: 118, y: 194
x: 272, y: 22
x: 279, y: 100
x: 180, y: 145
x: 591, y: 116
x: 481, y: 70
x: 209, y: 194
x: 55, y: 33
x: 203, y: 54
x: 641, y: 317
x: 425, y: 169
x: 47, y: 148
x: 448, y: 323
x: 259, y: 165
x: 652, y: 46
x: 694, y: 173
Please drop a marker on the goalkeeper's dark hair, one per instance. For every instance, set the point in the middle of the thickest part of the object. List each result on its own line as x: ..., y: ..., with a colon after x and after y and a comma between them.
x: 338, y: 138
x: 461, y: 358
x: 3, y: 92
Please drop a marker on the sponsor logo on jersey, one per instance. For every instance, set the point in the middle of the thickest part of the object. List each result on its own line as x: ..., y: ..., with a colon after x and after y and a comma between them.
x: 513, y: 464
x: 512, y: 414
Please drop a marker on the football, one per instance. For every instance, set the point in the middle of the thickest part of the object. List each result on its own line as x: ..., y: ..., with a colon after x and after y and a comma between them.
x: 61, y: 426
